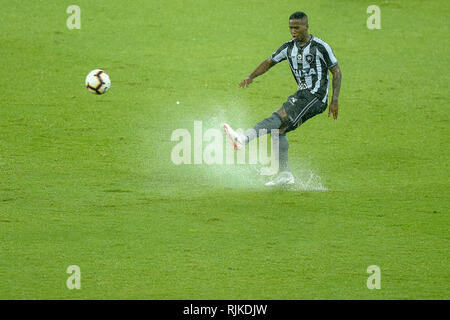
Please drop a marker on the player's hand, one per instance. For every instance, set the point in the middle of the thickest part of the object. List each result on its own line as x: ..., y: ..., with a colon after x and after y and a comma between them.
x: 245, y: 82
x: 333, y: 109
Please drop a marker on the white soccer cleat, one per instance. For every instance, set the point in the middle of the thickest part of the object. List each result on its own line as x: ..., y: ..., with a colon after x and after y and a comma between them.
x: 284, y: 179
x: 236, y: 138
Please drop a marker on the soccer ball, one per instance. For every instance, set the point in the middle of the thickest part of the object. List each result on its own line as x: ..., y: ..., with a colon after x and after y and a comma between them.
x: 97, y: 81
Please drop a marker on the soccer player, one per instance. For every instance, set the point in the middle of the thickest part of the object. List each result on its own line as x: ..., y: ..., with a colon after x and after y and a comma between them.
x: 309, y: 58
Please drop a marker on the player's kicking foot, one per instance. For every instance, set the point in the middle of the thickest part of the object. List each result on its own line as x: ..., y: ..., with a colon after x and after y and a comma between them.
x: 285, y: 178
x: 238, y: 139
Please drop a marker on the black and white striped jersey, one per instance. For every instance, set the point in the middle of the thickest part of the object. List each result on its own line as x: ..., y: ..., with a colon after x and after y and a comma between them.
x: 309, y: 64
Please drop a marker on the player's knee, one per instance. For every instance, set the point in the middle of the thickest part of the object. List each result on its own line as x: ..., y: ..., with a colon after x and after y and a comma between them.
x: 275, y: 121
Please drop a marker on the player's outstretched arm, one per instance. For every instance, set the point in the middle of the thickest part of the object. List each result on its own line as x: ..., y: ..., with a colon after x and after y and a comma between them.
x: 262, y: 68
x: 337, y: 76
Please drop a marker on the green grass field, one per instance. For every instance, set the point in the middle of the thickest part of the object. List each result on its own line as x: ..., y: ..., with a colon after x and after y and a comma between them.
x: 88, y: 180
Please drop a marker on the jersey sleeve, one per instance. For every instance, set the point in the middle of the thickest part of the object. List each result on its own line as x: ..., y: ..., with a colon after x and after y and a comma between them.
x: 280, y: 54
x: 328, y: 55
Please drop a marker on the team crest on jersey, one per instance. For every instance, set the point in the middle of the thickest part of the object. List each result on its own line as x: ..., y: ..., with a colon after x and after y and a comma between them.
x: 309, y: 58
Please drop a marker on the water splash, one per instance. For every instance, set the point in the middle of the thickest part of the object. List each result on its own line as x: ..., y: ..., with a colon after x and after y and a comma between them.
x: 309, y: 182
x: 251, y: 176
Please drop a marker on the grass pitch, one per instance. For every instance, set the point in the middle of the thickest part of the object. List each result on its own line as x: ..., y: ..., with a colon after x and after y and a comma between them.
x: 88, y: 180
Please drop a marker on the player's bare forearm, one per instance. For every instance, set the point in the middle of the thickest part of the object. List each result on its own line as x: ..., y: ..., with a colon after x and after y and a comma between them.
x: 337, y: 76
x: 261, y: 69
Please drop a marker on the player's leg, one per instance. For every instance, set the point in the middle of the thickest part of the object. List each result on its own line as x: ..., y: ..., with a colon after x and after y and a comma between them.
x: 285, y: 176
x: 263, y: 127
x: 299, y: 107
x: 295, y: 111
x: 280, y: 145
x: 283, y: 153
x: 239, y: 140
x: 280, y: 119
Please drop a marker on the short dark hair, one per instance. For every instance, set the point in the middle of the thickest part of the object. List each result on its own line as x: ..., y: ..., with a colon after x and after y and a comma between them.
x: 298, y: 16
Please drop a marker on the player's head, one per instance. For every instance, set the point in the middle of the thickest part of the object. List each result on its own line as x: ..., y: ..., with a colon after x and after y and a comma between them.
x: 298, y: 24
